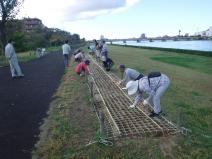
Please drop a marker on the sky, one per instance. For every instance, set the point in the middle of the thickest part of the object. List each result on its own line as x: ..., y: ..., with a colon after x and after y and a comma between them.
x: 121, y: 18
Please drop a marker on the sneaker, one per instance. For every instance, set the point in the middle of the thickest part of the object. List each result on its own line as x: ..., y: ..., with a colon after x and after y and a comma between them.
x: 153, y: 114
x: 21, y: 76
x: 14, y: 77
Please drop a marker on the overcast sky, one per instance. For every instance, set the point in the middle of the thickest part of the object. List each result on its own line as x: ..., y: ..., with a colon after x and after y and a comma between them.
x: 121, y: 18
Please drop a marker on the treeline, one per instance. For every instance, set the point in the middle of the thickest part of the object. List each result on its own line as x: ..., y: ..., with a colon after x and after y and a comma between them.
x: 39, y: 37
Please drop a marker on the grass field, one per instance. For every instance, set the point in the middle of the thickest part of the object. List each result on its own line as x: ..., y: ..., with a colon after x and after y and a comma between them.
x: 26, y: 56
x: 71, y: 123
x: 188, y: 101
x: 22, y: 57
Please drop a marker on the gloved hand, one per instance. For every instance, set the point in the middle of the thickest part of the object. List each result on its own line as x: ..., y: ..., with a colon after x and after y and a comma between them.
x: 118, y: 83
x: 132, y: 106
x: 145, y: 102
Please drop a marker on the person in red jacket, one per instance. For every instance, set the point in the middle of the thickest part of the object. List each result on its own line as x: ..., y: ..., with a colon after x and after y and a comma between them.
x: 82, y: 68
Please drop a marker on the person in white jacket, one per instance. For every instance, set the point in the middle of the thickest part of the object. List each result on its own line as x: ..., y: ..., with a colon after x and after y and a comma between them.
x: 155, y: 84
x: 11, y: 56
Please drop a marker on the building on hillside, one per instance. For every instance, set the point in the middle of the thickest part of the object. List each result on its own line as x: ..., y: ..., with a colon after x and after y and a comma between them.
x: 206, y: 33
x: 31, y: 24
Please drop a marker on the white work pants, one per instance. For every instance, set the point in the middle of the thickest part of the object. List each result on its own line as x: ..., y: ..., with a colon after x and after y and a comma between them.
x: 156, y: 98
x: 14, y: 67
x: 158, y: 94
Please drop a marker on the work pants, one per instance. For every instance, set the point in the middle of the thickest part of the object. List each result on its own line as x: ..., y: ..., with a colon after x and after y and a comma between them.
x: 66, y: 60
x: 14, y: 67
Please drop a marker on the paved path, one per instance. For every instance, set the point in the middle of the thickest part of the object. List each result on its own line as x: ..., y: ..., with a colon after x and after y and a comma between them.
x: 24, y: 103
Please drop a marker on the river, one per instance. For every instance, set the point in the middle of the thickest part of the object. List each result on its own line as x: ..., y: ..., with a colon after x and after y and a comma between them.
x: 200, y: 45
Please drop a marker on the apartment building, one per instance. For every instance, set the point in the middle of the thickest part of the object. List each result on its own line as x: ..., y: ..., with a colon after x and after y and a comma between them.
x: 32, y: 24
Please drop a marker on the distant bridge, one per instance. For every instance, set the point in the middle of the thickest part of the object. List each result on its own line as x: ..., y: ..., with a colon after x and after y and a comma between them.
x: 174, y: 38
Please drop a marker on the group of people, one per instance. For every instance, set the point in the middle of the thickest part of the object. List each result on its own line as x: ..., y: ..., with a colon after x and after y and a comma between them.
x: 154, y: 84
x: 79, y: 57
x: 101, y: 53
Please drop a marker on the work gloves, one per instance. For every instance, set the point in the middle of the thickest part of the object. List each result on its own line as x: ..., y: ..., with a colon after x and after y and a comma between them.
x: 132, y: 106
x: 145, y: 102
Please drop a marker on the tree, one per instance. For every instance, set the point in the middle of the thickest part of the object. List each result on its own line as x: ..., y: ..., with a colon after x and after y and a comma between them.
x: 8, y: 10
x: 75, y: 39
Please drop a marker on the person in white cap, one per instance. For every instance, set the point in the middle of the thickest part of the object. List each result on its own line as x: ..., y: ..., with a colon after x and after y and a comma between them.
x: 155, y: 84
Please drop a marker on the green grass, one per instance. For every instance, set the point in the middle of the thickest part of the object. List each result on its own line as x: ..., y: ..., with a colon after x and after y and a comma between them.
x: 199, y: 63
x: 26, y: 56
x: 188, y: 100
x: 71, y: 123
x: 181, y: 51
x: 53, y: 48
x: 22, y: 57
x: 63, y: 131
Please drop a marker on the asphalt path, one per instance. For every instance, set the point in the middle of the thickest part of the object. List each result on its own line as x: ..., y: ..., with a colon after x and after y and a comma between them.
x: 24, y: 103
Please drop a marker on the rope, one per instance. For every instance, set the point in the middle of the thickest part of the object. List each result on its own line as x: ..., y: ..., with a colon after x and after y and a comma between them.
x: 100, y: 139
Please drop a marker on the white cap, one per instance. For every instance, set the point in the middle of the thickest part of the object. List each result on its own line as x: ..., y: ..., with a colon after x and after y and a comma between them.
x: 132, y: 87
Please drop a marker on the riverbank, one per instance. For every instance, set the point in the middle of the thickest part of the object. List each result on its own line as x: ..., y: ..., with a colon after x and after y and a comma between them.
x: 187, y: 103
x: 72, y: 124
x: 188, y: 100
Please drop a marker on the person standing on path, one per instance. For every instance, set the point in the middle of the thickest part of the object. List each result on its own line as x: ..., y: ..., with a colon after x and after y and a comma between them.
x: 66, y: 53
x: 12, y: 58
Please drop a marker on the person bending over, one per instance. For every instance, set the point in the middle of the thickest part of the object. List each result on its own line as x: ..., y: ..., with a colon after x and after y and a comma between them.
x: 155, y: 84
x: 129, y: 74
x: 82, y: 68
x: 80, y: 56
